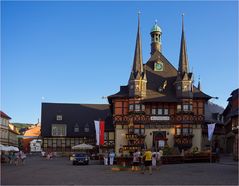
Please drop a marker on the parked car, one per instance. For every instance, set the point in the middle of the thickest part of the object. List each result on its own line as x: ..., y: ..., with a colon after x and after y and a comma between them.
x: 80, y: 158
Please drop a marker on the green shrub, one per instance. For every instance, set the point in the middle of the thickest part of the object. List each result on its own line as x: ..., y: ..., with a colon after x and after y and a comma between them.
x: 167, y: 151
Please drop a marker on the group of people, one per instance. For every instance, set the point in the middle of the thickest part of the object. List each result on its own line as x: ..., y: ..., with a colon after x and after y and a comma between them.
x: 146, y: 160
x: 48, y: 155
x: 17, y: 158
x: 109, y: 158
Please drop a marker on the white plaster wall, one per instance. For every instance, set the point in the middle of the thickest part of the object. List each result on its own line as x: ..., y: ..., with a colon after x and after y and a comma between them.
x: 197, y: 138
x: 120, y: 139
x: 149, y: 138
x: 170, y: 136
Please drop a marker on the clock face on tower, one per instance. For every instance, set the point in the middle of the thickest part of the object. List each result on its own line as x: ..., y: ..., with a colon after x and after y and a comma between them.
x: 158, y: 66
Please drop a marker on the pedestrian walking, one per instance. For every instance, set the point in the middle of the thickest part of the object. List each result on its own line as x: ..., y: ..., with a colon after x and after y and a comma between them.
x: 136, y: 157
x: 159, y: 155
x: 22, y: 157
x: 106, y: 158
x: 154, y: 159
x: 112, y: 156
x: 17, y: 158
x: 148, y: 161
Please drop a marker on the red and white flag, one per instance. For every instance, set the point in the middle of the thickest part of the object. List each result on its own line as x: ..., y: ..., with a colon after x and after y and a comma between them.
x: 102, y: 131
x: 99, y: 130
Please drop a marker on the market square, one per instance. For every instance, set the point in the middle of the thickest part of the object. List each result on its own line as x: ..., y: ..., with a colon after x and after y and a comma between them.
x: 119, y: 93
x: 60, y: 171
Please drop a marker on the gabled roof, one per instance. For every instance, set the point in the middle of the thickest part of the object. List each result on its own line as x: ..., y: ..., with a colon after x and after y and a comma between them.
x: 36, y: 131
x: 72, y: 115
x: 3, y: 115
x: 210, y: 110
x: 156, y: 80
x: 235, y: 92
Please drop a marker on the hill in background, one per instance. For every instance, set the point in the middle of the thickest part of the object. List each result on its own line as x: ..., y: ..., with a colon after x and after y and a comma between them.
x: 22, y: 127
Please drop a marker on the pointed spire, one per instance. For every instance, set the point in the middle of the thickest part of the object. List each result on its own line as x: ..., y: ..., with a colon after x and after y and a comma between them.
x: 199, y: 84
x: 183, y: 59
x: 138, y: 61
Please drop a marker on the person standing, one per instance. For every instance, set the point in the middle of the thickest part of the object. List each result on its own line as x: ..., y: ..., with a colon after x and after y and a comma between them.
x: 22, y: 157
x: 148, y: 161
x: 112, y: 156
x: 17, y: 158
x: 136, y: 156
x: 159, y: 155
x: 154, y: 159
x: 106, y: 158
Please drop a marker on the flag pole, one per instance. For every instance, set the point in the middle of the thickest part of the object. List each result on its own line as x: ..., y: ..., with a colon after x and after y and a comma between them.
x: 99, y: 136
x: 211, y: 152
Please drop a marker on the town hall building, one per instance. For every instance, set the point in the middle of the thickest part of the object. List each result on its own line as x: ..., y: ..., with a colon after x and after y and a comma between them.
x: 160, y: 105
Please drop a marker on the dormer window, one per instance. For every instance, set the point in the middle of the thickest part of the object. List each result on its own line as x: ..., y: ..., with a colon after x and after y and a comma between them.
x: 86, y: 129
x: 59, y: 117
x: 76, y: 128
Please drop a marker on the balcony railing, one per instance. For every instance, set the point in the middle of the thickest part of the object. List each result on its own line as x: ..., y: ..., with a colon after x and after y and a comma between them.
x: 146, y: 119
x: 183, y: 141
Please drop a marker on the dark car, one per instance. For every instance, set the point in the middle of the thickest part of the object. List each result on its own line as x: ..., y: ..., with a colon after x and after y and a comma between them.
x: 80, y: 158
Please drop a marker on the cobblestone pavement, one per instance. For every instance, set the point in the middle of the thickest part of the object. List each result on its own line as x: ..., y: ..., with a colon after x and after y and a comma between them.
x: 60, y: 171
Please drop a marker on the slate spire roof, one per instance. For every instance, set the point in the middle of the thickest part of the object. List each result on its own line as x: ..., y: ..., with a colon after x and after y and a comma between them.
x: 137, y: 70
x: 157, y: 80
x: 183, y: 58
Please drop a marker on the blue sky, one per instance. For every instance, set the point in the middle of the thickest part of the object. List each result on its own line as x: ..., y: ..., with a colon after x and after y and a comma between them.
x: 77, y: 52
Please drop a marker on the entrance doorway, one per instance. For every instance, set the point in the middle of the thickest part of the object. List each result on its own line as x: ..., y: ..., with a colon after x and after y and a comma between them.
x: 159, y: 140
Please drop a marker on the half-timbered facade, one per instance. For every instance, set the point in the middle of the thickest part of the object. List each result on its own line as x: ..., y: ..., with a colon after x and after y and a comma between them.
x: 231, y: 119
x: 159, y: 105
x: 64, y: 125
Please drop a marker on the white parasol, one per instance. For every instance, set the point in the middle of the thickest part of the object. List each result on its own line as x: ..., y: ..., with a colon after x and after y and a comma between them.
x: 83, y: 146
x: 3, y: 148
x: 8, y: 148
x: 15, y: 149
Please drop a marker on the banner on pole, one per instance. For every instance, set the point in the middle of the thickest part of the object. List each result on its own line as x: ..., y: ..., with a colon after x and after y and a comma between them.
x: 210, y: 130
x: 102, y: 131
x: 97, y: 131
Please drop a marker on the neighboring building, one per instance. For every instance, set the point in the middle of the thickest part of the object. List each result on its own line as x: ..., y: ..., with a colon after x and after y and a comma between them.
x: 35, y: 145
x: 230, y: 115
x: 159, y: 105
x: 213, y: 114
x: 4, y: 122
x: 12, y: 135
x: 33, y: 133
x: 65, y: 125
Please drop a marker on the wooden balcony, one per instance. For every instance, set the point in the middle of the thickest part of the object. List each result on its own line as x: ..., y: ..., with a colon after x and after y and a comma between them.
x: 134, y: 136
x: 183, y: 141
x: 189, y: 118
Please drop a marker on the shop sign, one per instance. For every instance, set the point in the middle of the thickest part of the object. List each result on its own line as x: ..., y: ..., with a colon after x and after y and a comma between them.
x: 159, y: 118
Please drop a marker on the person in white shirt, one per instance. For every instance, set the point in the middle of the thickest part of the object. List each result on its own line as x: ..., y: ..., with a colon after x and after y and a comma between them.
x: 112, y: 156
x: 136, y: 157
x: 154, y: 159
x: 106, y: 158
